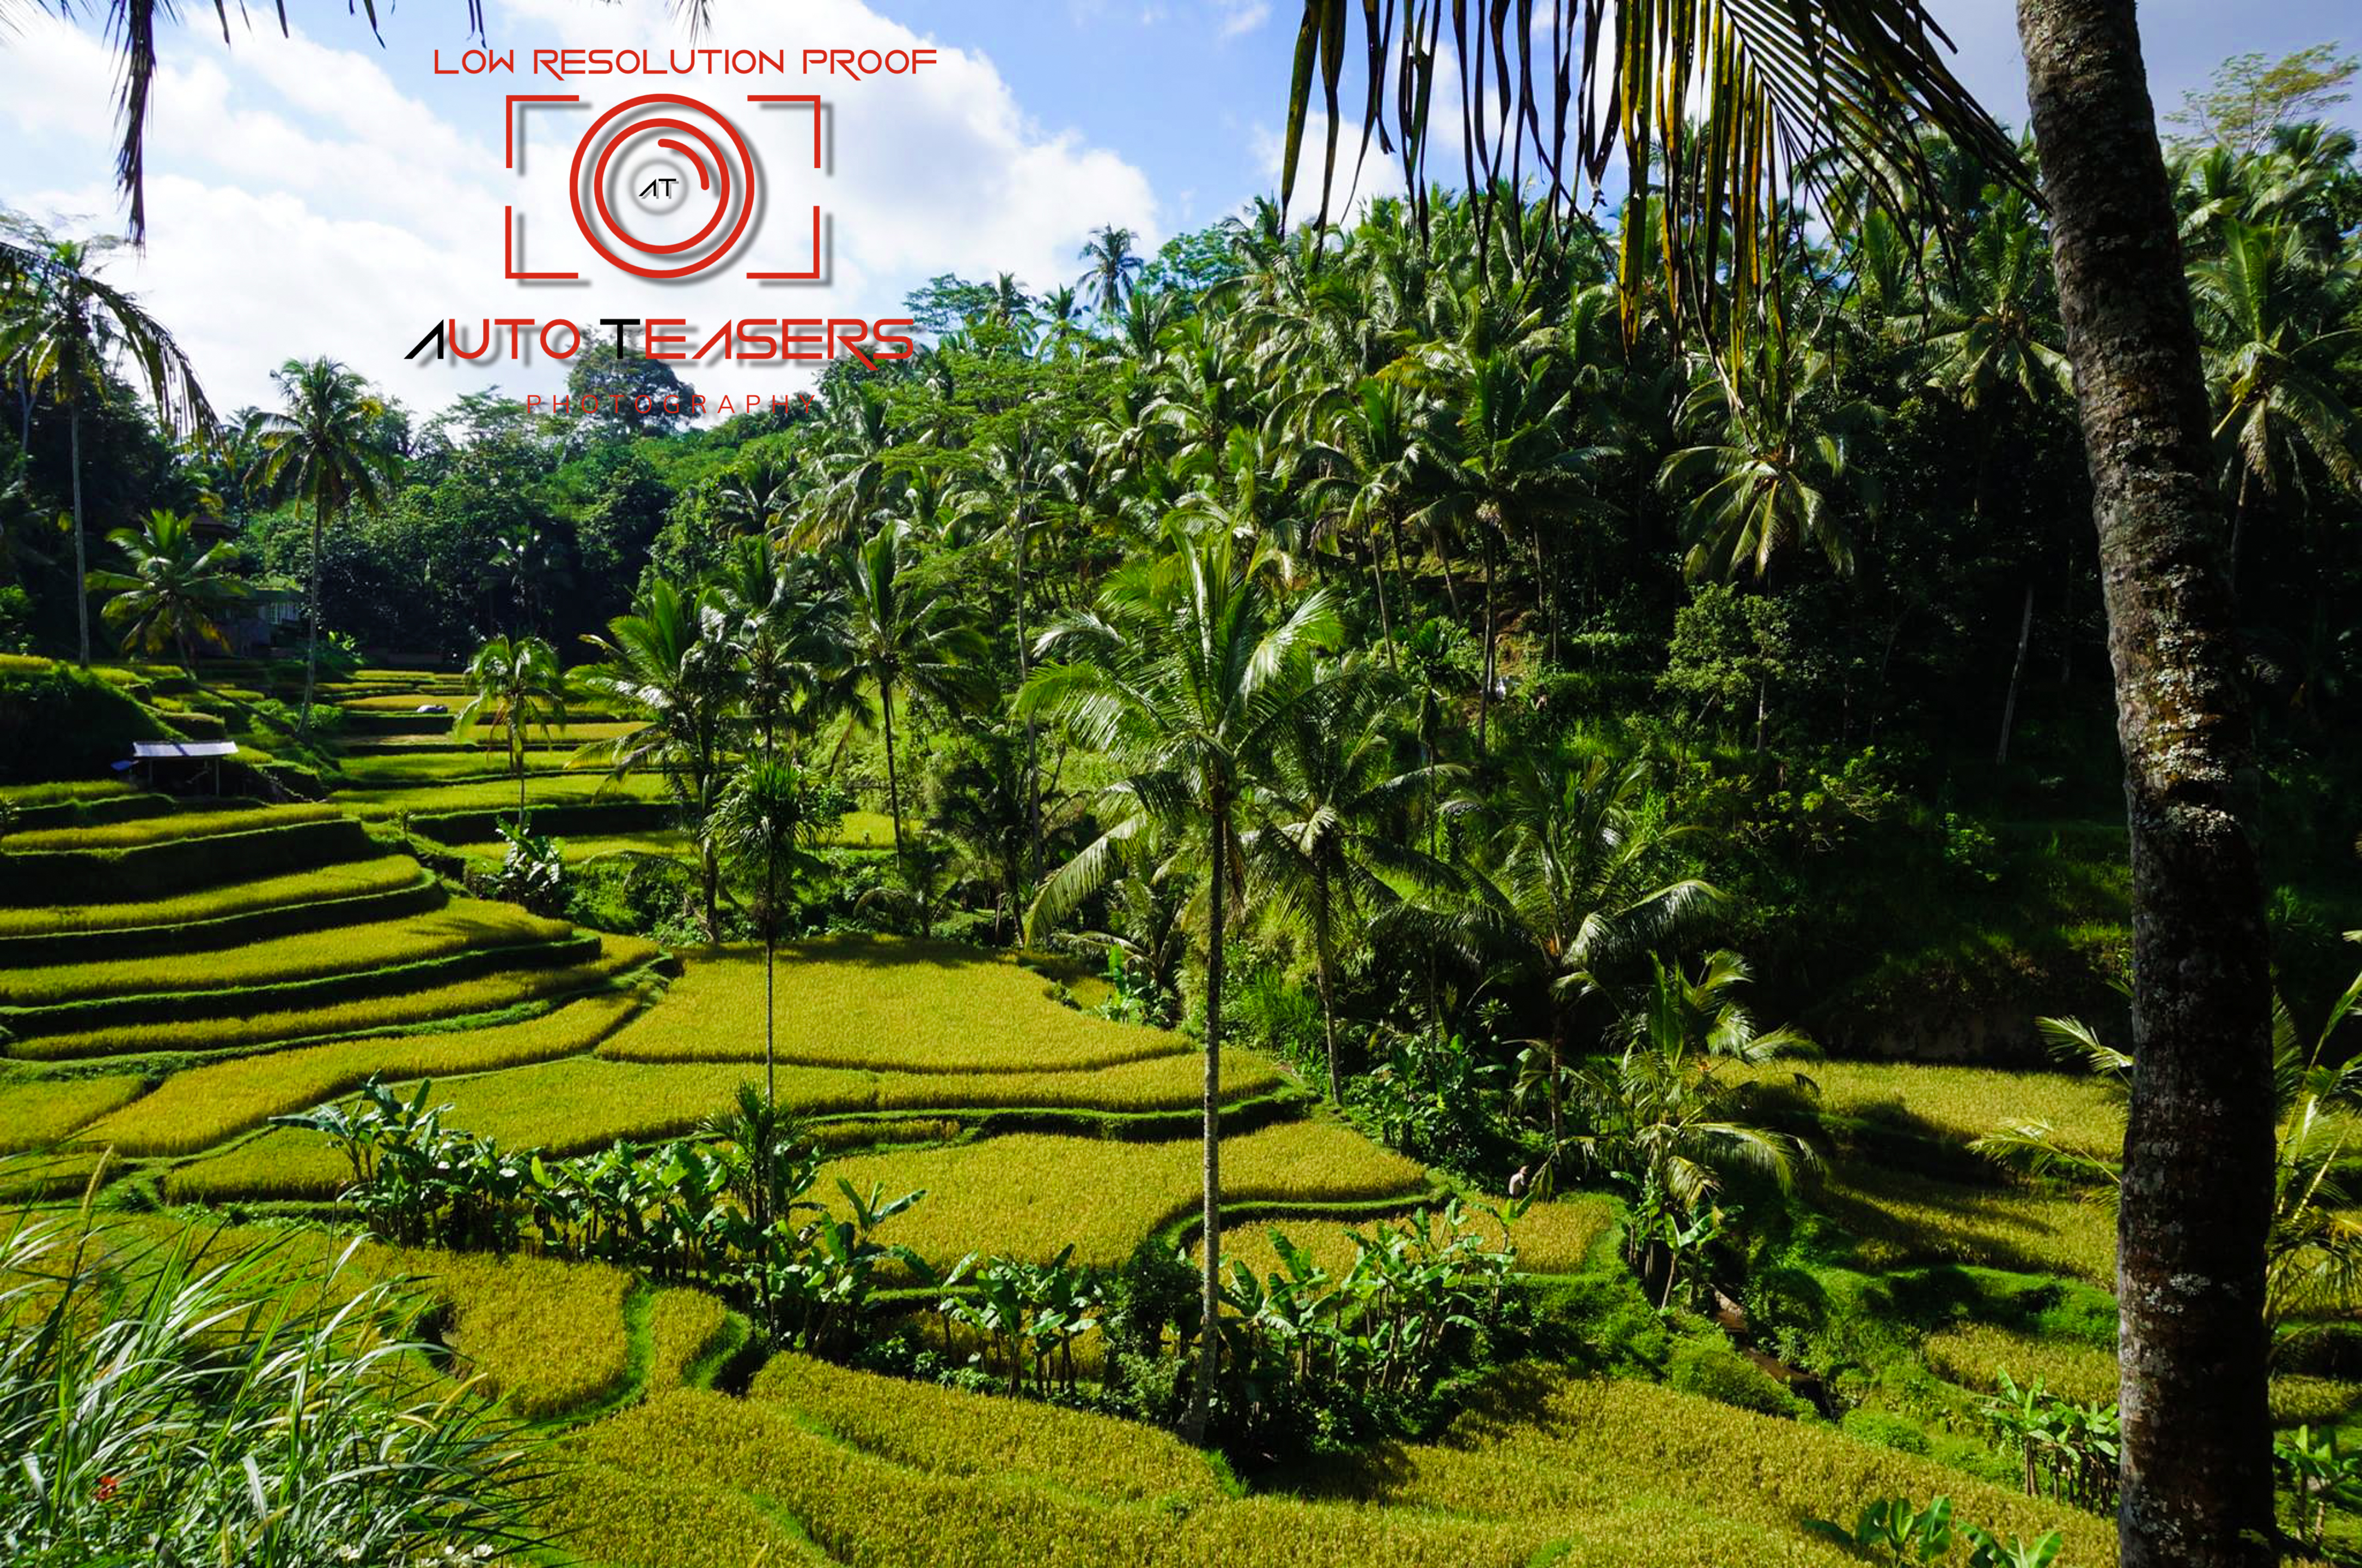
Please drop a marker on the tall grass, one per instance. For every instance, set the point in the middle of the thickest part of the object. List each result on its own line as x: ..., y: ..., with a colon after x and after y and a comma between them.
x: 172, y: 1406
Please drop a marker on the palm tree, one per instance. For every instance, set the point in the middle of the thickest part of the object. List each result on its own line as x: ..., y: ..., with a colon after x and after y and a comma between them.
x: 1107, y: 281
x: 770, y: 819
x: 1575, y: 890
x: 1187, y: 673
x: 1335, y: 811
x: 2279, y: 330
x: 1862, y: 79
x: 519, y: 685
x: 62, y: 330
x: 1665, y: 1128
x: 174, y: 591
x: 670, y: 660
x: 903, y: 634
x: 327, y: 446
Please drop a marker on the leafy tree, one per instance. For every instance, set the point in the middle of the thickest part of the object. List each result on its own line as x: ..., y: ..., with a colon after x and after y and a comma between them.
x: 1110, y: 279
x: 518, y: 685
x: 174, y: 591
x: 627, y: 392
x: 1186, y: 673
x: 2251, y: 96
x: 61, y: 326
x: 327, y: 446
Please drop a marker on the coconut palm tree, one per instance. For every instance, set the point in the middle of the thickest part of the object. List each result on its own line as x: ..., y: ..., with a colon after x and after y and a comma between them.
x: 2279, y: 332
x: 1109, y: 282
x: 1187, y: 671
x: 1335, y: 811
x: 1861, y: 81
x: 175, y: 590
x: 671, y: 662
x: 518, y: 685
x: 769, y: 822
x: 1572, y: 889
x: 327, y: 446
x: 901, y: 633
x: 1663, y: 1123
x: 63, y: 329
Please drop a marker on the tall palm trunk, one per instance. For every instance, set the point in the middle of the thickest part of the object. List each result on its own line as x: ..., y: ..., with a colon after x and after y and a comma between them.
x: 81, y: 568
x: 1033, y: 757
x: 2016, y: 675
x: 1210, y: 1323
x: 1378, y: 581
x: 1484, y: 697
x: 312, y: 613
x: 893, y: 790
x: 1325, y: 952
x: 2196, y: 1463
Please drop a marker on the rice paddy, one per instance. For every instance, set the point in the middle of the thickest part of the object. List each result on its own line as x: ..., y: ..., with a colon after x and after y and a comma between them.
x: 1958, y: 1104
x: 352, y: 879
x: 883, y: 1003
x: 38, y: 1113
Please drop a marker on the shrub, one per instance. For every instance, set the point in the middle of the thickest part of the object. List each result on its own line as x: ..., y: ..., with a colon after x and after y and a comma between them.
x: 61, y: 721
x: 1709, y: 1366
x: 1886, y: 1430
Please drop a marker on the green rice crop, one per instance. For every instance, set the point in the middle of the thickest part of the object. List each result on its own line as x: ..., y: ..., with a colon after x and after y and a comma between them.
x: 620, y: 1517
x: 382, y: 770
x: 869, y: 1512
x: 671, y: 842
x: 1974, y: 1354
x: 141, y: 830
x: 685, y: 1327
x: 549, y: 1337
x: 1963, y: 1103
x: 1554, y: 1445
x: 36, y: 1177
x: 205, y: 1105
x: 464, y: 925
x: 283, y: 1164
x: 2311, y: 1401
x: 482, y: 994
x: 500, y: 794
x: 36, y: 1112
x: 354, y: 879
x: 1905, y: 1217
x: 948, y: 1432
x: 1552, y: 1238
x: 62, y: 791
x: 880, y: 1002
x: 1028, y: 1195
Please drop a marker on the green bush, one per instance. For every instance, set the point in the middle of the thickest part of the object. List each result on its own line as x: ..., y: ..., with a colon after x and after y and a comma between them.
x: 1712, y: 1368
x: 57, y: 721
x: 1886, y: 1430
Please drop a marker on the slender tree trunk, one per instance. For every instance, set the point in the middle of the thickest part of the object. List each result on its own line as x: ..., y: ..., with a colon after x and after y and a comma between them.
x: 1385, y: 621
x: 312, y: 615
x: 2197, y: 1464
x: 1485, y: 698
x: 1557, y: 1098
x: 770, y: 974
x: 82, y: 567
x: 1033, y: 761
x: 1762, y: 708
x: 2017, y: 675
x: 1325, y: 951
x: 893, y: 792
x: 1209, y: 1324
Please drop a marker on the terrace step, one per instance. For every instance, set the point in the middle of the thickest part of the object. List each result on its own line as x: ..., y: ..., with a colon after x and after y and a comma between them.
x: 90, y: 812
x: 122, y: 1012
x: 179, y: 865
x: 221, y: 931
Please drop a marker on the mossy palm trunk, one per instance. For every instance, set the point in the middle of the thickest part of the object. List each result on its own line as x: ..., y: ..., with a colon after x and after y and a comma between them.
x: 311, y: 614
x: 2197, y: 1461
x: 893, y: 787
x: 81, y: 568
x: 1210, y: 1321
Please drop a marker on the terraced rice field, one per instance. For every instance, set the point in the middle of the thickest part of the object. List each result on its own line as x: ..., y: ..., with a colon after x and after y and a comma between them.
x: 886, y: 1004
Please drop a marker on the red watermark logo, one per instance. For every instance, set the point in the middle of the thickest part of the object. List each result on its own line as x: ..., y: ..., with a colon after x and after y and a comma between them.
x: 645, y: 173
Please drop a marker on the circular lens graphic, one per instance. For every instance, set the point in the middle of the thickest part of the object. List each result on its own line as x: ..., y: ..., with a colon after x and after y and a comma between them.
x: 670, y: 159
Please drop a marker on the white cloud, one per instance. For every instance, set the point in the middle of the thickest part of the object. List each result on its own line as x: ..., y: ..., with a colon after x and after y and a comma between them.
x: 307, y: 198
x: 1241, y: 17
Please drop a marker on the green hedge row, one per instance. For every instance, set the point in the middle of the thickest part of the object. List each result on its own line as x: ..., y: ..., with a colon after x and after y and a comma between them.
x: 119, y: 1012
x: 180, y: 865
x: 222, y: 931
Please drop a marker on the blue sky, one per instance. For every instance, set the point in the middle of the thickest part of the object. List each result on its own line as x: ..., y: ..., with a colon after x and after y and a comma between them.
x: 328, y: 195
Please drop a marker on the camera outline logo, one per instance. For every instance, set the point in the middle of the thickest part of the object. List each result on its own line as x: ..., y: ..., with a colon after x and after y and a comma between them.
x: 679, y: 151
